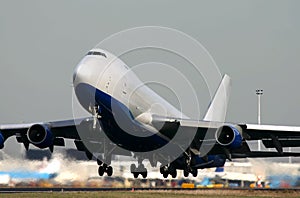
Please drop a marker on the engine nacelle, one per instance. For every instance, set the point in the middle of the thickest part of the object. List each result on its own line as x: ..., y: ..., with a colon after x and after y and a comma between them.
x: 40, y: 136
x: 229, y: 136
x: 212, y: 161
x: 1, y: 141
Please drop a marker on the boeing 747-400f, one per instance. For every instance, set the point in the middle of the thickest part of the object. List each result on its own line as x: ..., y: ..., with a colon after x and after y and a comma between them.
x: 126, y: 120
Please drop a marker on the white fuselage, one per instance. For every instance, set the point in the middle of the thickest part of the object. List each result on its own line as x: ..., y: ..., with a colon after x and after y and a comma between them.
x: 107, y: 73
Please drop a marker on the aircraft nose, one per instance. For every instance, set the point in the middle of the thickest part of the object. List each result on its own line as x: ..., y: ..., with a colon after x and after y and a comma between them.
x: 75, y: 74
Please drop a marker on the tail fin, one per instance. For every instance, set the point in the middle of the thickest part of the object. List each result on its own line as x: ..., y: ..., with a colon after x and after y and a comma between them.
x: 218, y: 106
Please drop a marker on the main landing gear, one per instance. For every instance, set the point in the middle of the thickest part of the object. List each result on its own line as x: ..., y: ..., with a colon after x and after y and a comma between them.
x: 168, y: 170
x: 104, y: 168
x: 193, y: 171
x: 140, y: 170
x: 188, y: 168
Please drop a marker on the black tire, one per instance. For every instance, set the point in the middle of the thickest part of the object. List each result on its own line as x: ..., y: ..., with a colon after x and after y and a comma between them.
x: 165, y: 175
x: 185, y: 173
x: 141, y: 168
x: 195, y: 173
x: 101, y: 170
x: 144, y: 174
x: 132, y: 168
x: 161, y: 170
x: 135, y: 175
x: 174, y: 174
x: 109, y: 171
x: 99, y: 162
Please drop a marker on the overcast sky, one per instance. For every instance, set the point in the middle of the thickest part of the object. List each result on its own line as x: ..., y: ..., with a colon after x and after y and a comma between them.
x: 256, y: 42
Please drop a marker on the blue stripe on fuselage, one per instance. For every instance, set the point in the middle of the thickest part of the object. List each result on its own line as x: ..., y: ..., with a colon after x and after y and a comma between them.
x: 28, y: 175
x: 113, y: 114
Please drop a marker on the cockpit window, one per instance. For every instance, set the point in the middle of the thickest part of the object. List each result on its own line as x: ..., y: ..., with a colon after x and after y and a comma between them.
x: 96, y: 53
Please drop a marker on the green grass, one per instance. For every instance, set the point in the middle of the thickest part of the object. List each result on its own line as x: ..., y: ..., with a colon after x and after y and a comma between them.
x: 161, y: 194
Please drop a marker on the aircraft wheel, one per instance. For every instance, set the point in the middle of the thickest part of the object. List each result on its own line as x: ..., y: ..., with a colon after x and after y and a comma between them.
x: 161, y: 170
x: 135, y: 175
x: 101, y: 170
x: 144, y: 174
x: 165, y: 175
x: 109, y: 171
x: 185, y: 173
x: 132, y: 168
x: 174, y: 174
x: 99, y: 162
x: 195, y: 172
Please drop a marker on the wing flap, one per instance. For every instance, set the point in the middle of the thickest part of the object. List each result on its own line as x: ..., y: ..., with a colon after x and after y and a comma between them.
x: 258, y: 132
x: 258, y: 154
x: 283, y: 143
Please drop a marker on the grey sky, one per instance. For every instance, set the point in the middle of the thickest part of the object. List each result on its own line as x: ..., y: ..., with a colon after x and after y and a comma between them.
x: 255, y: 42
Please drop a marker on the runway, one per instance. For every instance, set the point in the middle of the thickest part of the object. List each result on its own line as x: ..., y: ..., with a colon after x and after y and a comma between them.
x: 71, y: 189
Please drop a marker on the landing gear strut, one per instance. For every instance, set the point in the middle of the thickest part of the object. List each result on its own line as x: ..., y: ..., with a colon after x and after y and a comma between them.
x: 96, y: 115
x: 188, y: 169
x: 104, y: 166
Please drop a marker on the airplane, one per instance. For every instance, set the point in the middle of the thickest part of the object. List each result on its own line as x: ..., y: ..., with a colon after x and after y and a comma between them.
x: 45, y: 171
x: 124, y: 121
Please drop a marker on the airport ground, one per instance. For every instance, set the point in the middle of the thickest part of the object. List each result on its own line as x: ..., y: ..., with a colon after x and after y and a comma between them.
x: 161, y: 193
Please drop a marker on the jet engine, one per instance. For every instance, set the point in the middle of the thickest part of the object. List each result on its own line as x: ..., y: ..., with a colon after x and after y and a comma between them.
x: 40, y: 136
x: 229, y: 136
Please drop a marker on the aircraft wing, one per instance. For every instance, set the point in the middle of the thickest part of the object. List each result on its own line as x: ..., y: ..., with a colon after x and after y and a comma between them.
x: 54, y: 133
x: 257, y: 131
x: 58, y: 130
x: 229, y: 138
x: 217, y: 137
x: 273, y: 136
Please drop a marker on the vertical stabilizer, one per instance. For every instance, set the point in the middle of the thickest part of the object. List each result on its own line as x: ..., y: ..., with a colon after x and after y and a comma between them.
x: 218, y: 106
